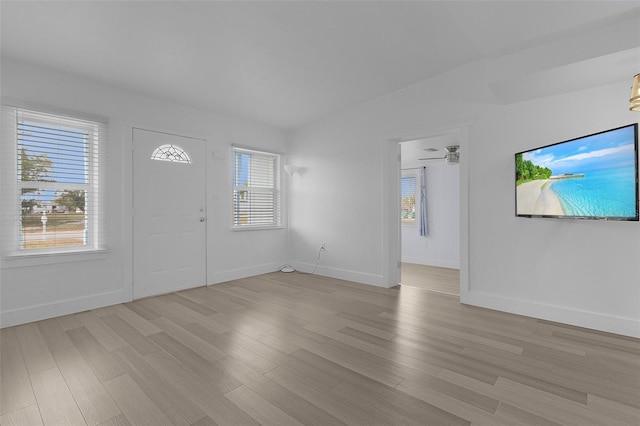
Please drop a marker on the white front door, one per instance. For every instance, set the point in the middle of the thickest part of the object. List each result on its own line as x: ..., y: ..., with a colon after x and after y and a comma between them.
x: 169, y: 213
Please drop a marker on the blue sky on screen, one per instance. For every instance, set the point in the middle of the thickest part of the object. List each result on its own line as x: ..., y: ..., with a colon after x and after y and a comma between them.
x: 601, y: 151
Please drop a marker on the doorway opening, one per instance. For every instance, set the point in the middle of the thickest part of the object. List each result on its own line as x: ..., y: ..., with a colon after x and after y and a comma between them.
x: 430, y: 214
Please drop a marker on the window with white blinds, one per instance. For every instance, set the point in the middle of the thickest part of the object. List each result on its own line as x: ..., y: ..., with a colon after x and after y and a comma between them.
x: 55, y: 202
x: 408, y: 194
x: 256, y: 189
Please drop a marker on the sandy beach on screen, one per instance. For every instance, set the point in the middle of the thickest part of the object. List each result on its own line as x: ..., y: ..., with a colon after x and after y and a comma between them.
x: 536, y: 197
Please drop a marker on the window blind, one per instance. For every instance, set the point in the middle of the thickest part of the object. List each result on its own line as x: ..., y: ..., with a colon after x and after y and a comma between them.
x: 408, y: 191
x: 56, y: 199
x: 256, y: 189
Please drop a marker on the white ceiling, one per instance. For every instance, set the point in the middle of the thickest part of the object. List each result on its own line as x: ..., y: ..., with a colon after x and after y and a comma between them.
x: 414, y: 152
x: 290, y: 63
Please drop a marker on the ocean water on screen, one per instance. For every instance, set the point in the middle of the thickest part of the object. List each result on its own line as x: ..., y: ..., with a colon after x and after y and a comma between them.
x: 605, y: 192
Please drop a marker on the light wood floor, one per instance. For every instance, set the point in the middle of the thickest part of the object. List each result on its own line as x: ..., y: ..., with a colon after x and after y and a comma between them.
x: 432, y: 278
x: 291, y: 349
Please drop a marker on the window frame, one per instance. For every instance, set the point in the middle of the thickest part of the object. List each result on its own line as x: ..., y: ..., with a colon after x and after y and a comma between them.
x: 11, y: 189
x: 410, y: 174
x: 276, y: 189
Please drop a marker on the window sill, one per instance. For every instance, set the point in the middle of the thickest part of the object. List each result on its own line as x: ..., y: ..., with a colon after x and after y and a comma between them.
x: 256, y: 228
x: 20, y: 260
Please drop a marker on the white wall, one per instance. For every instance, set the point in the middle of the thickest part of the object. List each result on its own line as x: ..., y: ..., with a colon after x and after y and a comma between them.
x: 343, y: 195
x: 580, y: 272
x: 441, y: 245
x: 34, y: 291
x: 584, y: 273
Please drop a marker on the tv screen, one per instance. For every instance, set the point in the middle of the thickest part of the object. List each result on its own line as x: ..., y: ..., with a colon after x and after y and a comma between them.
x: 591, y: 177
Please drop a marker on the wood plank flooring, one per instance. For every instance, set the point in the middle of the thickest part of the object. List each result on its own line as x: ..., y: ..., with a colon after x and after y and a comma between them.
x: 432, y: 278
x: 300, y: 349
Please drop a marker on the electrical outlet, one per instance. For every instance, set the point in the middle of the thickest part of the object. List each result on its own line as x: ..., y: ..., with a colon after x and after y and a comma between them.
x: 323, y: 247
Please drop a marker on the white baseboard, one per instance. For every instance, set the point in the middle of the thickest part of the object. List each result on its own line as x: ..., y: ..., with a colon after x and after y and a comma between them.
x: 342, y: 274
x: 592, y: 320
x: 432, y: 262
x: 56, y: 309
x: 70, y: 306
x: 250, y: 271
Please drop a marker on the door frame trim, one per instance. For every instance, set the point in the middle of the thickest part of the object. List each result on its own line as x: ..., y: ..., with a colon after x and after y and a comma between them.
x: 391, y: 202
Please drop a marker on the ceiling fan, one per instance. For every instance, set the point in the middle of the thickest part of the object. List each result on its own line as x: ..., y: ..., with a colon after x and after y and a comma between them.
x: 452, y: 155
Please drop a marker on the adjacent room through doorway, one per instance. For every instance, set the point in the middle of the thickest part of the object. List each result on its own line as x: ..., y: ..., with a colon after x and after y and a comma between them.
x: 430, y: 213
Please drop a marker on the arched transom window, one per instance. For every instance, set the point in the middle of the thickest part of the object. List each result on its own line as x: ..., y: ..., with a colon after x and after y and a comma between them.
x: 173, y: 153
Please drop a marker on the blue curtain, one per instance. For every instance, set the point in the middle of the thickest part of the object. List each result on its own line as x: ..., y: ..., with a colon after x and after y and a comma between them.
x: 424, y: 231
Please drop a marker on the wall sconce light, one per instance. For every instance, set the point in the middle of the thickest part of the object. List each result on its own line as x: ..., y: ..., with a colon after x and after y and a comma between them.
x: 291, y: 170
x: 634, y: 101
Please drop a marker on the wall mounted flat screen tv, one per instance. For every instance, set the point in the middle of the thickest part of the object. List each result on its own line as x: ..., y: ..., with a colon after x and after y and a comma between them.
x: 591, y: 177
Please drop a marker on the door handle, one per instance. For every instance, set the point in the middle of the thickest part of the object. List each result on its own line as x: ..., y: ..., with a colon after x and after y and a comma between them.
x: 202, y: 219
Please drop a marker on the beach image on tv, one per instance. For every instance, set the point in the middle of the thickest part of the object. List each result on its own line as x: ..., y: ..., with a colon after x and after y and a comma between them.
x: 593, y: 176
